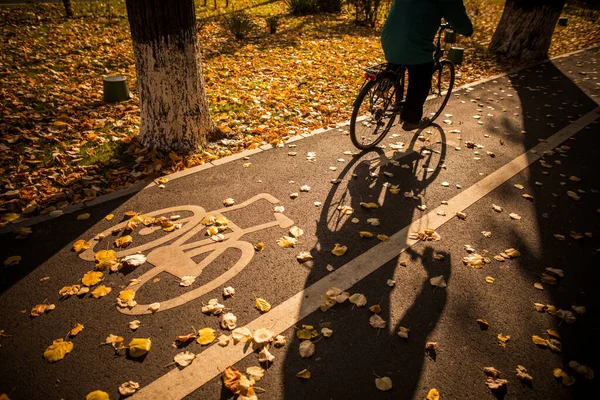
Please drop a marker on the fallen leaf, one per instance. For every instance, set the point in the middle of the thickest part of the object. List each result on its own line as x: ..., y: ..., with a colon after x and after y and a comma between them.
x: 304, y: 256
x: 76, y: 329
x: 383, y: 384
x: 307, y: 332
x: 206, y: 336
x: 126, y: 298
x: 92, y: 278
x: 522, y: 374
x: 83, y: 217
x: 40, y: 309
x: 184, y: 358
x: 58, y: 350
x: 97, y: 395
x: 304, y: 374
x: 105, y: 259
x: 365, y: 234
x: 231, y: 378
x: 358, y: 299
x: 228, y: 321
x: 369, y: 205
x: 490, y: 279
x: 101, y: 291
x: 339, y: 250
x: 81, y: 245
x: 491, y: 371
x: 403, y: 332
x: 377, y: 322
x: 262, y: 304
x: 326, y: 332
x: 515, y: 216
x: 264, y: 356
x: 135, y: 324
x: 228, y: 202
x: 123, y: 241
x: 139, y: 346
x: 133, y: 260
x: 241, y: 334
x: 187, y: 280
x: 286, y: 242
x: 383, y: 238
x: 307, y: 348
x: 68, y: 291
x: 433, y: 394
x: 12, y: 260
x: 262, y: 336
x: 128, y: 388
x: 228, y: 291
x: 438, y: 281
x: 154, y: 307
x: 259, y: 246
x: 503, y: 339
x: 483, y: 324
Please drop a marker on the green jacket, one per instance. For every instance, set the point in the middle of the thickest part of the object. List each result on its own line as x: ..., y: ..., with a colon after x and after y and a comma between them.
x: 409, y: 30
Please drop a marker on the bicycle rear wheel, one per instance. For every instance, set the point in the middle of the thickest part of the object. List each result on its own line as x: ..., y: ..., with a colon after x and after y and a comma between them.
x: 441, y: 88
x: 372, y: 117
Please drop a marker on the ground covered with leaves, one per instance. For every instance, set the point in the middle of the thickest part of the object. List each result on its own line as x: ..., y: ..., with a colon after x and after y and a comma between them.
x: 60, y: 144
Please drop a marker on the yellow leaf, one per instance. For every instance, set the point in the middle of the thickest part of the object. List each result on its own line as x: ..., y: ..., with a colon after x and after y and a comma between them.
x: 540, y: 341
x: 124, y: 241
x: 339, y: 250
x: 259, y: 246
x: 383, y: 238
x: 105, y: 259
x: 78, y: 328
x: 490, y: 279
x: 138, y: 347
x: 369, y: 205
x: 40, y: 309
x: 58, y: 350
x: 483, y: 324
x: 433, y: 394
x: 262, y: 304
x: 12, y: 260
x: 206, y: 336
x: 69, y: 290
x: 286, y: 242
x: 97, y: 395
x: 307, y: 332
x: 553, y: 333
x: 126, y: 295
x: 81, y: 245
x: 503, y: 339
x: 366, y: 234
x: 304, y: 374
x: 231, y: 379
x: 383, y: 384
x: 83, y: 217
x: 109, y: 217
x: 130, y: 214
x: 101, y: 291
x: 162, y: 180
x: 92, y: 278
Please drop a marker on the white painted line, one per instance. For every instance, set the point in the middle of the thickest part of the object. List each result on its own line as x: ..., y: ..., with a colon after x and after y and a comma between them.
x: 212, y: 361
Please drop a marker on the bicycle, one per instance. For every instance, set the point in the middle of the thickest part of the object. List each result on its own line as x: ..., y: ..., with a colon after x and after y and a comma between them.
x: 373, y: 115
x: 174, y: 252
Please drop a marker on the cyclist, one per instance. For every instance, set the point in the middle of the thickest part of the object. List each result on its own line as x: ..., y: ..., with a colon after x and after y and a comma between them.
x: 407, y: 39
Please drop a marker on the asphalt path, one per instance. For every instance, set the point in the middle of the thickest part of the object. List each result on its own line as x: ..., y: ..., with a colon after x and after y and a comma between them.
x: 516, y: 113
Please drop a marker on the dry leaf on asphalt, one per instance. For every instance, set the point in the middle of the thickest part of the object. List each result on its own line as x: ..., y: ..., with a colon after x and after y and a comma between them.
x: 307, y: 348
x: 262, y: 336
x: 101, y: 291
x: 241, y: 334
x: 228, y: 291
x: 128, y: 388
x: 133, y: 260
x: 97, y: 395
x: 81, y: 245
x: 139, y: 346
x: 126, y: 299
x: 262, y: 304
x: 206, y: 336
x: 304, y: 374
x: 187, y: 280
x: 123, y: 241
x: 403, y: 332
x: 92, y: 278
x: 154, y: 307
x: 438, y: 281
x: 76, y: 329
x: 228, y: 321
x: 184, y: 358
x: 377, y: 322
x: 68, y: 291
x: 307, y: 332
x: 339, y: 250
x: 264, y: 356
x: 58, y: 350
x: 358, y: 299
x: 40, y: 309
x: 523, y: 375
x: 433, y: 394
x: 286, y: 242
x: 383, y: 384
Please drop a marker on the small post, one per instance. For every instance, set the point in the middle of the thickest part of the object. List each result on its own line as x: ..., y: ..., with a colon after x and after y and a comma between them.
x: 450, y: 37
x: 562, y: 21
x: 115, y: 89
x: 456, y: 55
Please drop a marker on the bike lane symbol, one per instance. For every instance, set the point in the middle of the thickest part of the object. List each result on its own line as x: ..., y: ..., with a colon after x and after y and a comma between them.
x: 176, y: 258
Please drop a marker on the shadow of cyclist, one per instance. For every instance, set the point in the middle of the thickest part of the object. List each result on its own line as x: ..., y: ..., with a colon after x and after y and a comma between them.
x: 396, y: 180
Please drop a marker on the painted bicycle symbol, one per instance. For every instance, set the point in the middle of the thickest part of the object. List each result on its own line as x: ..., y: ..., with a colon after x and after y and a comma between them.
x: 176, y: 258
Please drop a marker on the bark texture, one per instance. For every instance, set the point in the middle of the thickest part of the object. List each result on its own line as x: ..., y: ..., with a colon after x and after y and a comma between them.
x: 68, y: 8
x: 525, y: 29
x: 173, y: 104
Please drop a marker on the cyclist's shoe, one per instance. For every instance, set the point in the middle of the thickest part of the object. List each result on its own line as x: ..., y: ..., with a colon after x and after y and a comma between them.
x: 411, y: 126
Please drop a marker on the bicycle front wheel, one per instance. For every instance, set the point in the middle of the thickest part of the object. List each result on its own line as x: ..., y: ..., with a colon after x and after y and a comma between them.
x: 441, y: 88
x: 372, y: 117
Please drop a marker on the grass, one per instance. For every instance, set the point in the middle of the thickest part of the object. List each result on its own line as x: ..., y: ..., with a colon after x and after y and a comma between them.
x: 261, y: 89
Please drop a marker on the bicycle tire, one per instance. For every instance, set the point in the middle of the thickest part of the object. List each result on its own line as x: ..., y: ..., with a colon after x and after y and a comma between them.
x: 386, y: 83
x: 440, y: 90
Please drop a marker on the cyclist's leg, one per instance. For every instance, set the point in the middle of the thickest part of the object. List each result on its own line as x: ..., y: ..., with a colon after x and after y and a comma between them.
x: 419, y: 85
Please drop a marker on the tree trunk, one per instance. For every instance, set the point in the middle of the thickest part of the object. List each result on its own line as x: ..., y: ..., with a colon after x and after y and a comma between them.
x: 525, y: 29
x: 68, y: 8
x: 173, y: 104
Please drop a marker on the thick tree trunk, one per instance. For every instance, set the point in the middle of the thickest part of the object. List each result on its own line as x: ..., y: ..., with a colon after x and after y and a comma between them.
x: 525, y: 29
x: 173, y: 104
x: 68, y: 8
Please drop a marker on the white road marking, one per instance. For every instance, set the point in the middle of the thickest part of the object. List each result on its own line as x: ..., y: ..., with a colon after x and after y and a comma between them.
x: 209, y: 363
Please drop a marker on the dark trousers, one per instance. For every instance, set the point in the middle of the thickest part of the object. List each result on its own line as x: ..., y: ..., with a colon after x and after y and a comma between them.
x: 419, y: 85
